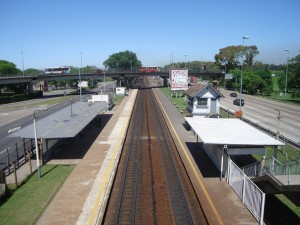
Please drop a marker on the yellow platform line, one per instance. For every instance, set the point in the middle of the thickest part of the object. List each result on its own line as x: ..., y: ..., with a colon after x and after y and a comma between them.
x: 107, y: 174
x: 191, y: 164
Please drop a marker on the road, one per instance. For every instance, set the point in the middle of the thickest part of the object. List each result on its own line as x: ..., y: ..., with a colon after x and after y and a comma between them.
x: 265, y: 113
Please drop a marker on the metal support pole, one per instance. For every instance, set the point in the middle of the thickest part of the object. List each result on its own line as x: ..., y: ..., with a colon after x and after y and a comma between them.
x: 17, y: 155
x: 36, y: 148
x: 36, y: 142
x: 262, y: 209
x: 286, y: 73
x: 8, y: 161
x: 241, y: 88
x: 221, y: 174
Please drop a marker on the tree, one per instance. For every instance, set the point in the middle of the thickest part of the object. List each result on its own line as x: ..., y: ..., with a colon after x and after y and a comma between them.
x: 195, y: 66
x: 294, y: 79
x: 32, y: 72
x: 231, y: 56
x: 8, y: 68
x: 122, y: 61
x: 267, y: 86
x: 250, y: 52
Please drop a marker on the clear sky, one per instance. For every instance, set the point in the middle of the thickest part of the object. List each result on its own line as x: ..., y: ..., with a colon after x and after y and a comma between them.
x: 59, y: 32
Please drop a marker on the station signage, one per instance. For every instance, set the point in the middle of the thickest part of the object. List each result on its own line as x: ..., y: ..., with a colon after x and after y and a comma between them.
x: 179, y: 79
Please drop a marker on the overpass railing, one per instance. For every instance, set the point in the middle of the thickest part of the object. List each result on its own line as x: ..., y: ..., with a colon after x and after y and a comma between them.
x: 287, y: 173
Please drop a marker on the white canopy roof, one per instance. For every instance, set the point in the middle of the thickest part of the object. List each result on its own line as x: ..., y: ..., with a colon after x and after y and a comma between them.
x: 62, y: 124
x: 229, y: 132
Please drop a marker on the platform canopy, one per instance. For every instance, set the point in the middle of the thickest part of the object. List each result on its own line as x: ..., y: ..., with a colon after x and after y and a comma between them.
x: 230, y: 132
x: 65, y: 123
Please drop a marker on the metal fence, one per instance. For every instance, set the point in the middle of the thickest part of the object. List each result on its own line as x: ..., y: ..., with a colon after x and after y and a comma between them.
x: 15, y: 155
x: 250, y: 194
x: 286, y: 173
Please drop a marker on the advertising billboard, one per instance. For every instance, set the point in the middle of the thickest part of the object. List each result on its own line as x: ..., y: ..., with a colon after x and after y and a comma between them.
x: 179, y: 79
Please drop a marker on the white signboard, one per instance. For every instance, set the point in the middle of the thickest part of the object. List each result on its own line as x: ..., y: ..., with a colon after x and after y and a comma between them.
x: 228, y: 76
x: 179, y: 79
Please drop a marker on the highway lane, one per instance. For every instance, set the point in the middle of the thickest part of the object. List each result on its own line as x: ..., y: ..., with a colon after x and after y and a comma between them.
x: 265, y: 112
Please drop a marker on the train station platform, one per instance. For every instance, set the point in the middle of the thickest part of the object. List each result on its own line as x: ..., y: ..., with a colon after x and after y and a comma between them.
x: 218, y: 197
x: 83, y: 197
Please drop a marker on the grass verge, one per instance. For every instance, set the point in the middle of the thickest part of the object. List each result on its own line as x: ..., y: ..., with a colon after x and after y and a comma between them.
x: 29, y: 200
x: 179, y: 100
x: 41, y: 103
x: 289, y: 204
x: 118, y: 100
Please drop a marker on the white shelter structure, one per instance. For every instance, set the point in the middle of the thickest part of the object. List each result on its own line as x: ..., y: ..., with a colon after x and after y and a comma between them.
x: 230, y: 137
x: 221, y: 138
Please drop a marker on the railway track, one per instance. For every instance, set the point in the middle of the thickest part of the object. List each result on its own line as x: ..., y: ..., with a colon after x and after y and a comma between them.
x: 151, y: 185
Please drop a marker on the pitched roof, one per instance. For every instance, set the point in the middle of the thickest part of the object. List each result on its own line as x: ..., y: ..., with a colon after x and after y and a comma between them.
x: 193, y: 90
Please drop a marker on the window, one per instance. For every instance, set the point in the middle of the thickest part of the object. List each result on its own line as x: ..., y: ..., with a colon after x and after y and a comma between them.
x: 202, y: 102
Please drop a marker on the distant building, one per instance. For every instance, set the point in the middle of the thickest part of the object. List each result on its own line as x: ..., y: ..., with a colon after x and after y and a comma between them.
x: 203, y: 100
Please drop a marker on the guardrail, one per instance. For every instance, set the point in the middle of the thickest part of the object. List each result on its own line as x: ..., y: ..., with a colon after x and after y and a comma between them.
x: 266, y: 130
x: 286, y: 173
x: 16, y: 155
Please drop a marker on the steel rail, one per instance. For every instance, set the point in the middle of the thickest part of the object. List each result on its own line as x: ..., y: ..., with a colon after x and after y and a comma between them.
x: 128, y: 194
x: 180, y: 207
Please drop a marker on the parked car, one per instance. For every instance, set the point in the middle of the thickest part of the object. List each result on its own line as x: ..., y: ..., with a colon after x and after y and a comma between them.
x: 237, y: 102
x: 233, y: 94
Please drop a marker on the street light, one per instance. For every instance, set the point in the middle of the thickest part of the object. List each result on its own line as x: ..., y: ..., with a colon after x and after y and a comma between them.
x: 104, y: 80
x: 225, y: 75
x: 79, y: 83
x: 35, y: 141
x: 185, y: 60
x: 241, y: 89
x: 286, y: 73
x: 71, y: 99
x: 80, y: 59
x: 131, y: 62
x: 22, y: 63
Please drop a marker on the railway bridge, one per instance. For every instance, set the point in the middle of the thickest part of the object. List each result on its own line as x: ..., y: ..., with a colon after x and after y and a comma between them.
x: 123, y: 78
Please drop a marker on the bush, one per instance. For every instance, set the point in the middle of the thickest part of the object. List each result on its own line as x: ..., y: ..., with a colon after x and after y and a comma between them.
x: 20, y: 97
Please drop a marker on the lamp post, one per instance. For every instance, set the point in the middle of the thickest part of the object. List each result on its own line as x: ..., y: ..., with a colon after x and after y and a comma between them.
x: 71, y: 99
x: 241, y: 89
x: 225, y: 75
x: 286, y: 73
x: 278, y: 124
x: 35, y: 141
x: 131, y: 62
x: 185, y: 60
x: 104, y: 80
x: 79, y: 84
x: 22, y: 63
x: 80, y: 60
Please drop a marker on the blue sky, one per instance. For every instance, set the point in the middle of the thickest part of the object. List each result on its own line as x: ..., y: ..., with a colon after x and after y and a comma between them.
x: 54, y: 33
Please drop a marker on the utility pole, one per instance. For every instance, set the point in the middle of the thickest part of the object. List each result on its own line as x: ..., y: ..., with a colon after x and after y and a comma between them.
x: 278, y: 124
